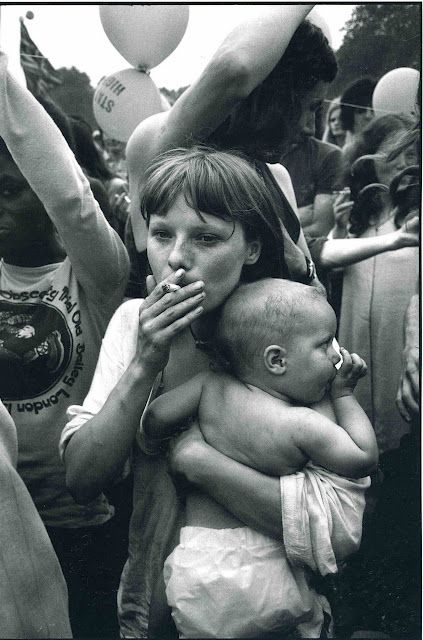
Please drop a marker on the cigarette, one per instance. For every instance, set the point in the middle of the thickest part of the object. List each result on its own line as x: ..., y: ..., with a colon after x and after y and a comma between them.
x: 167, y: 287
x: 345, y: 191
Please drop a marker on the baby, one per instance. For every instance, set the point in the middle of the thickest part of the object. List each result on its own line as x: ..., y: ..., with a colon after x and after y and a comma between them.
x: 224, y: 579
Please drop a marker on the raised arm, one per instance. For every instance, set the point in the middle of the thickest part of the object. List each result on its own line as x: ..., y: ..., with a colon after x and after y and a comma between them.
x: 241, y: 63
x: 45, y: 159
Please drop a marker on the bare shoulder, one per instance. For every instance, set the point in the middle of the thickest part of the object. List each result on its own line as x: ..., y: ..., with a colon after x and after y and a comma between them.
x: 282, y: 177
x: 280, y: 173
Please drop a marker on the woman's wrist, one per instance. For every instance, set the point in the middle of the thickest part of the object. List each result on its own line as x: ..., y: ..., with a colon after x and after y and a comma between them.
x: 394, y: 240
x: 140, y: 373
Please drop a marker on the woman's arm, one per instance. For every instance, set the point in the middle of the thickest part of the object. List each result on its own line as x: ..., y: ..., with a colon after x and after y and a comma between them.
x: 96, y: 453
x: 229, y: 482
x: 318, y: 515
x: 342, y: 252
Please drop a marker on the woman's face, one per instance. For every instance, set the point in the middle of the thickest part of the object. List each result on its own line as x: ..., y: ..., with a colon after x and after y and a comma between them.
x: 335, y: 122
x: 212, y: 250
x: 385, y: 170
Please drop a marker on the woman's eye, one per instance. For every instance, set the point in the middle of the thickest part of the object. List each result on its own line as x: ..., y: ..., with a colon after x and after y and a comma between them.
x: 160, y: 234
x: 207, y: 238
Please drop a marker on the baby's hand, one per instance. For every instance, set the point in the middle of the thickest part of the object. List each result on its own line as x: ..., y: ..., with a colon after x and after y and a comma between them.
x: 353, y: 368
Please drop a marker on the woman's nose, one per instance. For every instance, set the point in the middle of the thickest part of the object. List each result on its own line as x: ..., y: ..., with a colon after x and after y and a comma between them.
x: 179, y: 256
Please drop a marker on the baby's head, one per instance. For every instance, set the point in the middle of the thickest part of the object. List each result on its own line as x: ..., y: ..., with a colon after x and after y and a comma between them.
x: 277, y: 335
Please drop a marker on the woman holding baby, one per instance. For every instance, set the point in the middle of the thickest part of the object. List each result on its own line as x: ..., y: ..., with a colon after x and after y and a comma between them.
x: 211, y: 219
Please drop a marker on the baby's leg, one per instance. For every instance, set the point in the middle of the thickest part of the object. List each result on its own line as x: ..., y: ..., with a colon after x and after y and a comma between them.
x: 160, y: 622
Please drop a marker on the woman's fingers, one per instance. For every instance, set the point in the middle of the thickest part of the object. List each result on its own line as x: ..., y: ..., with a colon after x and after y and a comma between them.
x: 150, y: 282
x: 158, y: 290
x: 167, y: 301
x: 161, y: 316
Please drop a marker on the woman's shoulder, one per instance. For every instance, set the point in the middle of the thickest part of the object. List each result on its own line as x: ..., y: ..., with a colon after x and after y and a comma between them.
x: 281, y: 173
x: 282, y: 177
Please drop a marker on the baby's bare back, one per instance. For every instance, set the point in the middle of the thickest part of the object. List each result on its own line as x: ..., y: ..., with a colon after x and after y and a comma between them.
x: 244, y: 422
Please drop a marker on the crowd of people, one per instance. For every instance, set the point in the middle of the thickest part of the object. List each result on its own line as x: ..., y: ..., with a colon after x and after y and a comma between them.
x: 186, y: 450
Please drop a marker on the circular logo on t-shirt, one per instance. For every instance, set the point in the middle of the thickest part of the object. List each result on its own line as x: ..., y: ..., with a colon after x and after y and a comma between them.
x: 35, y: 349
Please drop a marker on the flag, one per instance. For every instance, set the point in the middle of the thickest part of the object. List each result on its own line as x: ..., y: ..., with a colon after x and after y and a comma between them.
x: 40, y: 75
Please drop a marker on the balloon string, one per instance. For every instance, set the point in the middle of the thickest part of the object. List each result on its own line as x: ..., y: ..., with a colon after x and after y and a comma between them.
x: 356, y: 106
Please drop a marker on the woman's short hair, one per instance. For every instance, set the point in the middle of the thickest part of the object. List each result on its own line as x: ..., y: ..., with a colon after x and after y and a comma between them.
x: 364, y: 173
x: 267, y: 117
x: 357, y: 97
x: 222, y: 184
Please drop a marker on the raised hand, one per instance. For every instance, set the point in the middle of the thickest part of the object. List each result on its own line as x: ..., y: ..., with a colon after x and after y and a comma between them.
x: 168, y: 310
x: 409, y: 232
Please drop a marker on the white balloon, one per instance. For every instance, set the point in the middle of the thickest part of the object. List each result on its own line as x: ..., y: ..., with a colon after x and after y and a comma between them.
x: 316, y: 18
x: 122, y: 100
x: 396, y: 92
x: 144, y: 34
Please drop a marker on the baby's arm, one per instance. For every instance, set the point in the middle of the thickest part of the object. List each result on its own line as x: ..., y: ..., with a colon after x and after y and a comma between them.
x: 348, y: 448
x: 169, y: 411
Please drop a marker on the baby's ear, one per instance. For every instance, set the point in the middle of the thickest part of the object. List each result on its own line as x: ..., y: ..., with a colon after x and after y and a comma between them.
x: 274, y: 358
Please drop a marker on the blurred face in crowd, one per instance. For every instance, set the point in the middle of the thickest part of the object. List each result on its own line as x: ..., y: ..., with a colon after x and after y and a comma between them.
x: 335, y: 122
x: 311, y: 103
x: 114, y: 147
x: 385, y: 170
x: 24, y: 224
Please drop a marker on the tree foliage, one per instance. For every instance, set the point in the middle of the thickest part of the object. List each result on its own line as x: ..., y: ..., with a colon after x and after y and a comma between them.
x: 172, y: 94
x: 75, y: 94
x: 378, y: 38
